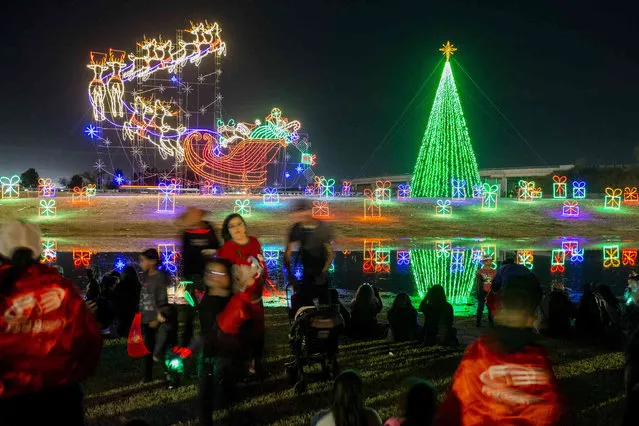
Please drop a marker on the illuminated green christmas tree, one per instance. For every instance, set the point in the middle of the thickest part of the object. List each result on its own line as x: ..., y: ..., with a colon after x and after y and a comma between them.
x: 446, y: 152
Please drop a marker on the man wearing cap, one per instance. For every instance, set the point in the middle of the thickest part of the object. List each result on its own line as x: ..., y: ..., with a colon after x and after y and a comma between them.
x: 313, y: 237
x: 483, y: 282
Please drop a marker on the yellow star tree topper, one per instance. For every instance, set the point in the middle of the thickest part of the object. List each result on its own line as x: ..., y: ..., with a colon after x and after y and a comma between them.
x: 448, y: 50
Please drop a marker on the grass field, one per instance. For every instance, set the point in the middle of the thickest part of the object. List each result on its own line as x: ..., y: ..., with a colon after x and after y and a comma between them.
x: 129, y: 222
x: 590, y: 378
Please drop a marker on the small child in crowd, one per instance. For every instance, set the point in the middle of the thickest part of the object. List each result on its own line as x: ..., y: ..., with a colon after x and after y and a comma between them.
x: 438, y: 318
x: 153, y: 296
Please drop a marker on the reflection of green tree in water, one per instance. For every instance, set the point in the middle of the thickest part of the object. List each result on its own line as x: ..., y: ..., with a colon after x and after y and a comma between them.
x: 454, y: 270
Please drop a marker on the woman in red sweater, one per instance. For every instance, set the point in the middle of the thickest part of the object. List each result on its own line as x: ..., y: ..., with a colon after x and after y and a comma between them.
x: 250, y: 273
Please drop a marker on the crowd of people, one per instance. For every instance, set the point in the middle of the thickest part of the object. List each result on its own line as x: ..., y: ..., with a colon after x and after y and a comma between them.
x: 50, y: 335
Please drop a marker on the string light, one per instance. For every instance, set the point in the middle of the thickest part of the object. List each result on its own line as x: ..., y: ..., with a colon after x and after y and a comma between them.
x: 458, y: 189
x: 489, y: 197
x: 403, y: 257
x: 446, y: 150
x: 558, y: 261
x: 579, y: 189
x: 478, y: 191
x: 346, y: 189
x: 321, y: 209
x: 612, y: 200
x: 429, y: 269
x: 570, y: 208
x: 327, y: 187
x: 10, y: 186
x: 611, y: 256
x: 526, y: 258
x: 629, y: 257
x: 49, y: 252
x: 559, y: 187
x: 630, y: 195
x: 46, y: 188
x: 242, y: 207
x: 166, y: 197
x: 404, y: 191
x: 47, y: 208
x: 79, y: 195
x: 372, y: 208
x: 443, y: 208
x: 81, y: 257
x: 270, y: 196
x: 383, y: 191
x: 577, y: 256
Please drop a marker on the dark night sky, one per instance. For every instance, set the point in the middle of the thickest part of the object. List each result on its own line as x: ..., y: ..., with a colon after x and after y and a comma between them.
x: 564, y: 73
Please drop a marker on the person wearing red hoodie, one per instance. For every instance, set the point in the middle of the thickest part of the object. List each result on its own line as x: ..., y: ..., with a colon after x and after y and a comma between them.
x: 505, y: 377
x: 49, y: 340
x: 249, y: 273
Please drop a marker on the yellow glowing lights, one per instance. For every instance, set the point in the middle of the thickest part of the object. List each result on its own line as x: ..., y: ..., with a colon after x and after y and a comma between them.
x: 448, y: 49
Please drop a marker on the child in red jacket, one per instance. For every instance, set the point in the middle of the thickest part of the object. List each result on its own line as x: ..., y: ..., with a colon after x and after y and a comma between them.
x: 504, y: 376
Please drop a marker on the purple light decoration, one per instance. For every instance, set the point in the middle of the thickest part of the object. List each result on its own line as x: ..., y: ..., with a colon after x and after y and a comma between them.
x: 403, y: 258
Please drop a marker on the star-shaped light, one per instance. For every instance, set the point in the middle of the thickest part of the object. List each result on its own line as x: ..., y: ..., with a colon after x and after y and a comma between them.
x: 299, y: 169
x: 91, y: 131
x: 99, y: 165
x: 135, y: 151
x: 161, y: 88
x: 106, y: 142
x: 448, y: 50
x: 218, y: 71
x: 287, y: 175
x: 200, y: 78
x: 119, y: 179
x: 288, y: 157
x: 143, y: 165
x: 203, y: 110
x: 188, y: 88
x: 174, y: 79
x: 119, y: 264
x: 219, y: 97
x: 187, y: 114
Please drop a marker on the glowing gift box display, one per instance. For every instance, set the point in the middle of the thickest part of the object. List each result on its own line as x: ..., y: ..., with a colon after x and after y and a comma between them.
x: 79, y: 195
x: 579, y: 189
x: 526, y: 258
x: 309, y: 190
x: 559, y: 189
x: 569, y: 246
x: 490, y: 194
x: 317, y: 183
x: 10, y: 186
x: 404, y: 191
x: 523, y: 193
x: 346, y: 189
x: 570, y: 208
x: 372, y: 208
x: 321, y: 209
x: 457, y: 261
x: 166, y: 197
x: 478, y: 191
x: 168, y: 257
x: 306, y: 159
x: 611, y: 258
x: 557, y: 261
x: 242, y: 207
x: 443, y: 248
x: 577, y: 256
x: 443, y: 208
x: 630, y: 195
x: 371, y: 247
x: 91, y: 191
x: 327, y: 188
x: 271, y: 196
x: 46, y: 188
x: 613, y: 199
x: 47, y: 208
x: 49, y: 252
x: 382, y: 260
x: 403, y: 258
x: 629, y: 257
x: 489, y: 250
x: 458, y: 187
x: 383, y: 191
x: 81, y: 257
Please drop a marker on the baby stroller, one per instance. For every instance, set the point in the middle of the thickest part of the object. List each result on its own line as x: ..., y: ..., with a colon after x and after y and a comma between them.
x: 314, y: 339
